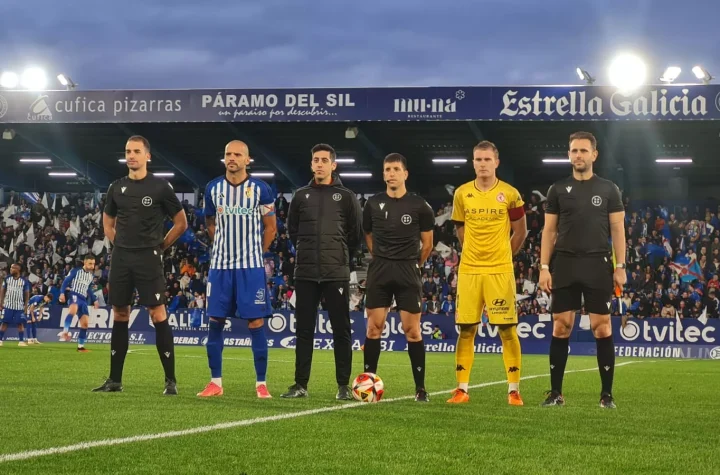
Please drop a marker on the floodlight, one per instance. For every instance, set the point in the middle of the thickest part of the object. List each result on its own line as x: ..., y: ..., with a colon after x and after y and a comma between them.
x: 585, y: 76
x: 9, y: 80
x: 702, y: 73
x: 33, y: 79
x: 356, y: 174
x: 627, y: 72
x: 671, y: 74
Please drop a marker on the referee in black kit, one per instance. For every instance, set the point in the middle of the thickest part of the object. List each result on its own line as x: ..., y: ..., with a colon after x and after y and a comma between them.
x: 134, y: 222
x: 583, y: 212
x: 399, y: 233
x: 324, y: 225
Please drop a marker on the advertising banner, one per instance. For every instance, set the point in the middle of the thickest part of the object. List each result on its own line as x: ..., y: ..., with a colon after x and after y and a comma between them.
x: 551, y: 103
x: 650, y: 338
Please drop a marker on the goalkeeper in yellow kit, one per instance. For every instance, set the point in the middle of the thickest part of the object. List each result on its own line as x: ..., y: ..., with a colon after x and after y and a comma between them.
x: 485, y: 211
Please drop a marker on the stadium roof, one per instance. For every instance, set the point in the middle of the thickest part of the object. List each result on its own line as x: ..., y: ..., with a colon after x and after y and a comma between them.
x: 193, y: 149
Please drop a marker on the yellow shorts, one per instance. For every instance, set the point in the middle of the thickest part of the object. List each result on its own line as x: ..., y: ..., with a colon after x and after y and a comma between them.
x: 493, y: 292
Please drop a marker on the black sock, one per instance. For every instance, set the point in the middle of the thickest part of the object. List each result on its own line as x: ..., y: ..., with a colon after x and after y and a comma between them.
x: 558, y: 360
x: 416, y: 350
x: 166, y: 348
x: 606, y: 362
x: 371, y: 354
x: 118, y: 349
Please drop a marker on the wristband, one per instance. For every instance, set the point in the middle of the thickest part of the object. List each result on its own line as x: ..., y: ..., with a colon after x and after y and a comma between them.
x: 544, y: 267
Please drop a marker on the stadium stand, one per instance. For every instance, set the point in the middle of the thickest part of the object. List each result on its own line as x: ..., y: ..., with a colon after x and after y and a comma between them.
x: 673, y: 262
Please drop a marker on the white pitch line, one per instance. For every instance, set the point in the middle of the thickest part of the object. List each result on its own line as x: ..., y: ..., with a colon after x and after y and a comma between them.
x: 241, y: 423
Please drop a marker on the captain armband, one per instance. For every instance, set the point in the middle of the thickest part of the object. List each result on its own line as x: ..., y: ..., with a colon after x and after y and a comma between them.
x: 516, y: 213
x: 267, y: 210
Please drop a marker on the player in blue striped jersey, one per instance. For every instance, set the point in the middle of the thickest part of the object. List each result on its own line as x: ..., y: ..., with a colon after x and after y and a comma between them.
x: 78, y: 285
x: 34, y: 315
x: 14, y: 297
x: 240, y: 218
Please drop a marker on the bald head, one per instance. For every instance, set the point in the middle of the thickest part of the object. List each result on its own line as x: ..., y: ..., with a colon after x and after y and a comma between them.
x: 237, y: 157
x: 237, y: 145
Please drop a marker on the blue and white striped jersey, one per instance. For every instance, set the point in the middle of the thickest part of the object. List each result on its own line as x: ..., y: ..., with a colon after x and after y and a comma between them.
x: 15, y: 292
x: 36, y: 300
x: 238, y: 212
x: 78, y: 281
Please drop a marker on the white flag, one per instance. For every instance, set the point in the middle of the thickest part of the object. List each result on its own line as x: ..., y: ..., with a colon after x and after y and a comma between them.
x: 678, y: 320
x: 703, y: 318
x: 42, y: 223
x: 291, y: 301
x: 54, y: 203
x: 56, y: 258
x: 98, y: 247
x: 45, y: 201
x: 9, y: 211
x: 33, y: 278
x: 56, y: 223
x: 64, y: 202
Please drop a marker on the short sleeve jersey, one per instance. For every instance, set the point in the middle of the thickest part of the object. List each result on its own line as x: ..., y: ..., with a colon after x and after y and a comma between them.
x: 141, y: 208
x: 238, y: 211
x: 487, y: 216
x: 396, y: 224
x: 583, y: 208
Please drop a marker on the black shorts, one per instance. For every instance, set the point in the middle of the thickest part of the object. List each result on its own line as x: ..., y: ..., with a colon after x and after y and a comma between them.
x: 575, y: 278
x: 399, y: 279
x: 141, y: 269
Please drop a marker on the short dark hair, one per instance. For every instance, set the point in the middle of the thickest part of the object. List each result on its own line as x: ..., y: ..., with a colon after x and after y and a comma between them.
x: 394, y: 158
x: 88, y: 257
x: 584, y: 136
x: 140, y: 138
x: 487, y: 145
x: 323, y: 147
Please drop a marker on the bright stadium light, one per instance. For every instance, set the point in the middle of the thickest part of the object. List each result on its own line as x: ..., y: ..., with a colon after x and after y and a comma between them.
x: 702, y: 74
x: 66, y: 81
x: 345, y: 160
x: 671, y: 74
x: 62, y: 174
x: 627, y: 72
x: 556, y: 160
x: 263, y: 174
x: 9, y: 80
x: 449, y: 160
x: 33, y: 79
x: 223, y: 160
x: 673, y: 160
x: 356, y: 175
x: 35, y: 160
x: 585, y: 76
x: 164, y: 174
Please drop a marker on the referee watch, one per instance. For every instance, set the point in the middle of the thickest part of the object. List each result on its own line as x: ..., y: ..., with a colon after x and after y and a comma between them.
x: 620, y: 265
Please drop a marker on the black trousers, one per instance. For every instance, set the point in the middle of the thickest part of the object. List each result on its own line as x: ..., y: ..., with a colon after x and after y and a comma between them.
x: 337, y: 302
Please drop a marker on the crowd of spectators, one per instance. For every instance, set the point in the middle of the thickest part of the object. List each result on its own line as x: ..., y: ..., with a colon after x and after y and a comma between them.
x: 47, y: 240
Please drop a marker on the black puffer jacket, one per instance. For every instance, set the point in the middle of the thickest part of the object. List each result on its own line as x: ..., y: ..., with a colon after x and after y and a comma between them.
x: 325, y: 226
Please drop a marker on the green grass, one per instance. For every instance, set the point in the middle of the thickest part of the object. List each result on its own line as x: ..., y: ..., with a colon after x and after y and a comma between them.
x: 666, y: 421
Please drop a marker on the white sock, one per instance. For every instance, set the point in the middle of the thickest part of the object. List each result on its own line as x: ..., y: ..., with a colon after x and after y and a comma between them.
x: 513, y: 387
x: 257, y: 384
x: 463, y: 386
x: 217, y: 381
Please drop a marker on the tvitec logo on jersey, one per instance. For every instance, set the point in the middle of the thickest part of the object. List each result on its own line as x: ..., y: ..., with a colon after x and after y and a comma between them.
x: 428, y: 107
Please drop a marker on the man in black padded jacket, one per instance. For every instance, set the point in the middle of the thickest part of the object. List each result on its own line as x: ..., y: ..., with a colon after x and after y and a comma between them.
x: 324, y: 224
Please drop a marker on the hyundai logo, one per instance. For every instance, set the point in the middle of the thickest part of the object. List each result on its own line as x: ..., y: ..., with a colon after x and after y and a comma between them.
x: 499, y: 302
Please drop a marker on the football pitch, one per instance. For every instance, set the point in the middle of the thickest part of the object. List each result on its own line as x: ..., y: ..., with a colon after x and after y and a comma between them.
x: 666, y: 421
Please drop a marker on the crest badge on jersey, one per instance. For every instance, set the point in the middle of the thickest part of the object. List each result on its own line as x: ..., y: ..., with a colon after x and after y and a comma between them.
x: 337, y: 196
x: 596, y: 200
x: 501, y: 197
x: 147, y: 201
x: 248, y: 192
x: 220, y: 209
